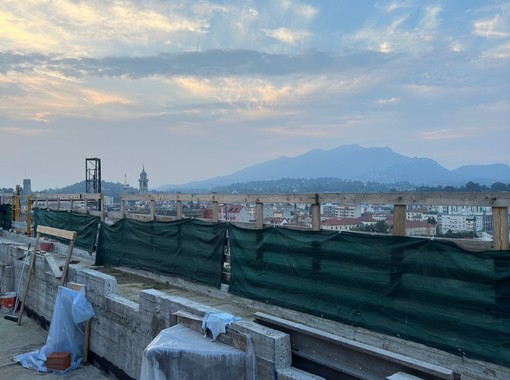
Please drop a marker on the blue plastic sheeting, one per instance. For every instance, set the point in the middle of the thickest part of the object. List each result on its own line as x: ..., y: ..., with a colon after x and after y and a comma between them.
x: 67, y: 331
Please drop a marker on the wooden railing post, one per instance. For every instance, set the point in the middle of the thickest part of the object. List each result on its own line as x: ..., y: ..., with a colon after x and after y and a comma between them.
x: 259, y: 214
x: 122, y: 208
x: 215, y: 209
x: 316, y: 214
x: 500, y: 228
x: 179, y: 209
x: 152, y: 203
x: 101, y: 206
x: 399, y: 220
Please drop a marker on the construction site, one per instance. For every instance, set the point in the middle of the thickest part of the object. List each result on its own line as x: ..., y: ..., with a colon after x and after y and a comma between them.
x: 293, y: 304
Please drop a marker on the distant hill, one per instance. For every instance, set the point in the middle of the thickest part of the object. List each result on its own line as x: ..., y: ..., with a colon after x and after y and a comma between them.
x: 355, y: 163
x: 110, y: 189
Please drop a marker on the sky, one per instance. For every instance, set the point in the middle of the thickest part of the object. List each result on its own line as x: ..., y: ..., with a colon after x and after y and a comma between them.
x: 192, y: 90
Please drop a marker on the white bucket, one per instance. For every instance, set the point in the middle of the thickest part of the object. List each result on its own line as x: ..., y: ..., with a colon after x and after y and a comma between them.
x: 7, y: 301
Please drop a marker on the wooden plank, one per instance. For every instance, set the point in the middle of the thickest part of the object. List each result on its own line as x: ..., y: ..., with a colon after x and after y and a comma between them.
x: 68, y: 260
x: 340, y: 353
x: 53, y: 265
x: 30, y: 271
x: 491, y: 199
x: 65, y: 234
x: 500, y: 228
x: 399, y: 220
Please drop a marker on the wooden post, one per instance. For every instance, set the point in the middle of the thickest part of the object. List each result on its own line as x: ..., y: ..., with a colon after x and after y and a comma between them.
x: 122, y: 208
x: 215, y: 211
x: 316, y: 214
x: 29, y: 276
x: 500, y: 228
x: 259, y: 214
x: 101, y: 206
x: 153, y: 209
x: 179, y: 210
x: 399, y: 220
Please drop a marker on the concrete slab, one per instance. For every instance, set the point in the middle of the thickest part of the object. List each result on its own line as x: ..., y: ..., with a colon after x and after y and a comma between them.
x: 28, y: 337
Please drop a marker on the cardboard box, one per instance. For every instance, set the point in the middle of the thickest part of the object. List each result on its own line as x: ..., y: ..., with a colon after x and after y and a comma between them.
x: 58, y: 361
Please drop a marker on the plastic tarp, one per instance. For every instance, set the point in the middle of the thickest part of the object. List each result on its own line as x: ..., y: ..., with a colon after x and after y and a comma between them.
x: 188, y: 248
x: 427, y: 291
x: 67, y: 331
x: 86, y: 226
x: 217, y: 322
x: 181, y: 353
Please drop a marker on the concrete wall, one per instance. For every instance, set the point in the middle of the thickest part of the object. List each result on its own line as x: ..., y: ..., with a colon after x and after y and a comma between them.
x: 121, y: 329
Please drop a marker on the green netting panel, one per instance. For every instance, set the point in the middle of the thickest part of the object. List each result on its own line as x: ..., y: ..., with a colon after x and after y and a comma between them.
x: 5, y: 216
x: 187, y: 248
x: 427, y: 291
x: 86, y: 226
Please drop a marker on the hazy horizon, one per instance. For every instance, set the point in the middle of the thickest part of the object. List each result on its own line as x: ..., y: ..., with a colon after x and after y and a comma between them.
x: 199, y: 90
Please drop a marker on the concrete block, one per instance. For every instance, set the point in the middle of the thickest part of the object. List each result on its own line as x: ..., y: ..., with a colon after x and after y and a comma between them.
x: 96, y: 282
x: 268, y: 344
x: 7, y: 273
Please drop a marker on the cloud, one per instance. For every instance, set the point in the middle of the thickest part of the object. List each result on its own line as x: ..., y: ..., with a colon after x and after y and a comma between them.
x: 388, y: 101
x: 201, y: 64
x: 97, y: 97
x: 399, y: 28
x: 288, y: 36
x: 448, y: 134
x: 26, y: 132
x: 497, y: 27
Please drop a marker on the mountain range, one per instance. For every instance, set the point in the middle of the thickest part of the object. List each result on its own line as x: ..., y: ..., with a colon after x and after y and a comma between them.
x: 353, y: 162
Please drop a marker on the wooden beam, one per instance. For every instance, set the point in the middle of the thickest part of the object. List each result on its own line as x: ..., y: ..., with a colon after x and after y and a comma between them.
x: 490, y: 199
x: 153, y: 209
x: 500, y: 228
x: 316, y: 214
x: 178, y: 207
x: 65, y: 234
x: 399, y: 220
x: 215, y: 210
x: 259, y: 214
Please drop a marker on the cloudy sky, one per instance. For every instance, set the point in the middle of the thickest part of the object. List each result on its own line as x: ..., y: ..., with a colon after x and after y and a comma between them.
x: 198, y: 89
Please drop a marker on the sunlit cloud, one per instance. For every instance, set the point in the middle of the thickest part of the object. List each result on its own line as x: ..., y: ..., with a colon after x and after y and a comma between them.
x: 98, y: 97
x: 288, y: 36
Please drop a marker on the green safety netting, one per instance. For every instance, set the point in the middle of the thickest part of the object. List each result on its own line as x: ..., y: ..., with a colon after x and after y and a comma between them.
x: 427, y: 291
x: 5, y: 216
x: 188, y: 248
x: 86, y: 226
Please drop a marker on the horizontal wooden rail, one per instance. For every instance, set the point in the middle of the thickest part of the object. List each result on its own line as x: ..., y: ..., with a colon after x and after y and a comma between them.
x: 490, y: 199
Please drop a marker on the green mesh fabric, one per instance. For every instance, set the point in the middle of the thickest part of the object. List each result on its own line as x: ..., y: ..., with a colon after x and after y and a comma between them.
x: 188, y: 248
x: 86, y: 226
x: 427, y: 291
x: 5, y: 216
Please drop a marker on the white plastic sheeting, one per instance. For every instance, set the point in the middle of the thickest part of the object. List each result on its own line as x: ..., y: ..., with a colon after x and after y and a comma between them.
x: 181, y: 353
x: 67, y: 331
x: 217, y: 323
